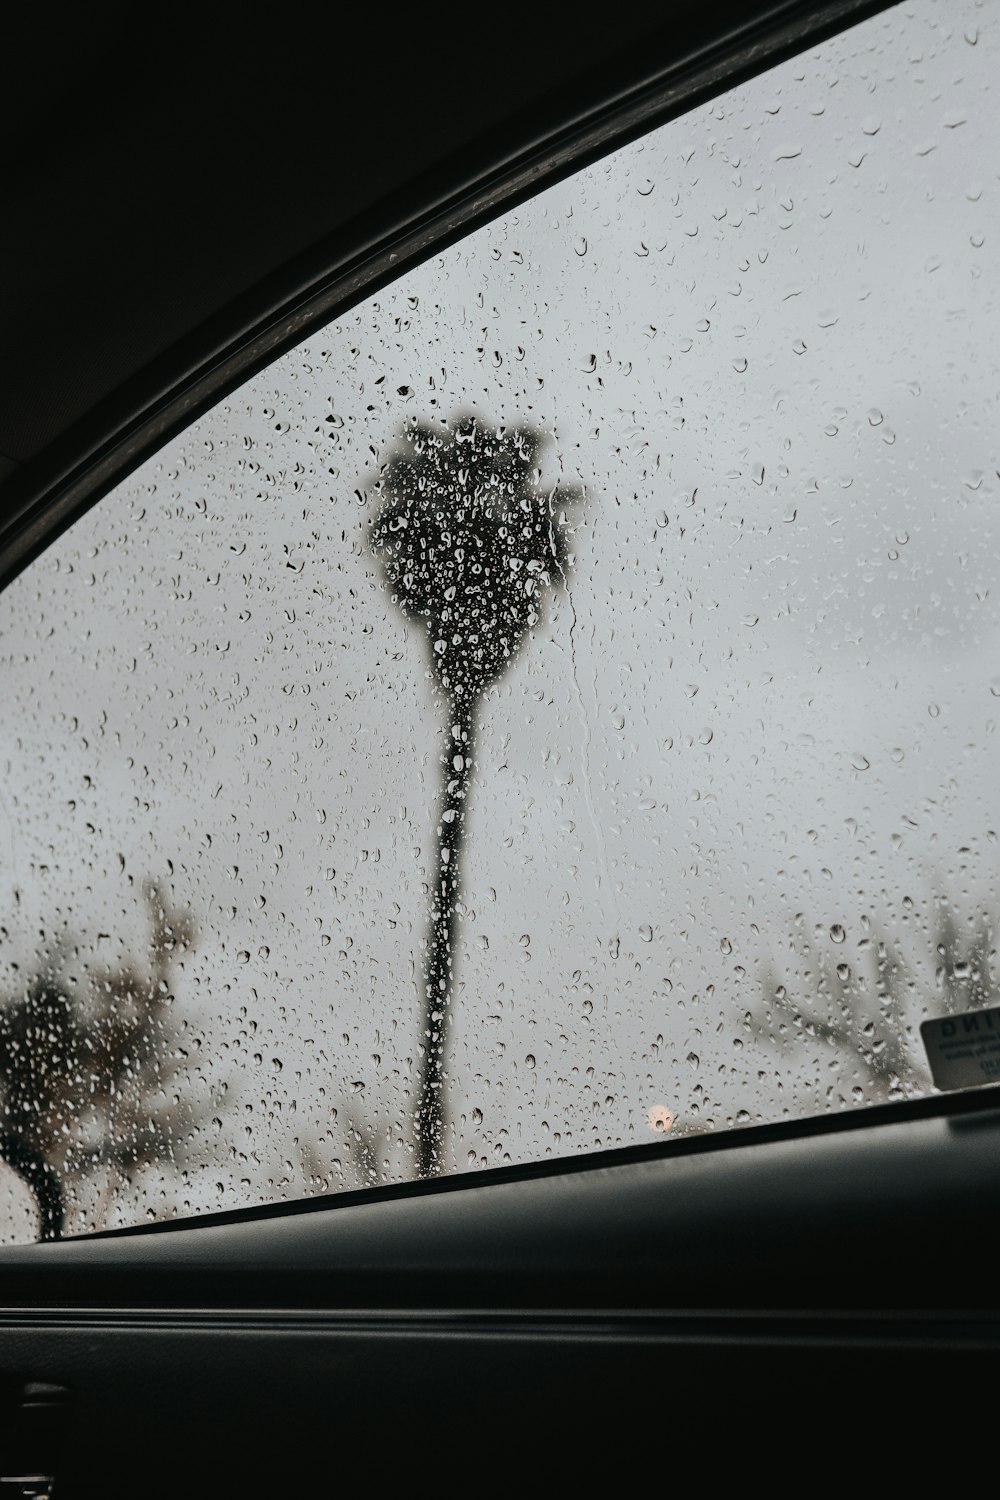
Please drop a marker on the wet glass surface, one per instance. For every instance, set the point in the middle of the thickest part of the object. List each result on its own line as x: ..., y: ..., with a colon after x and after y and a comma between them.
x: 552, y: 706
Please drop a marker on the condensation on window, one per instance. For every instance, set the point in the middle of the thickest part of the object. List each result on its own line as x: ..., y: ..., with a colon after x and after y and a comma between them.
x: 551, y: 709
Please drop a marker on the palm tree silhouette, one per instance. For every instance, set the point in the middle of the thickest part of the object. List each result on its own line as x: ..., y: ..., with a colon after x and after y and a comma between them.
x: 469, y: 541
x: 83, y: 1066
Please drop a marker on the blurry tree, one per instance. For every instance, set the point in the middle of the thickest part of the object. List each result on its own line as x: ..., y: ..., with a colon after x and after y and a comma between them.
x: 861, y: 1018
x: 85, y: 1055
x: 359, y: 1150
x: 469, y: 540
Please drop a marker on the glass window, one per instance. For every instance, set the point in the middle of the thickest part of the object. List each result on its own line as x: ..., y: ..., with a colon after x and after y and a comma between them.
x: 553, y: 705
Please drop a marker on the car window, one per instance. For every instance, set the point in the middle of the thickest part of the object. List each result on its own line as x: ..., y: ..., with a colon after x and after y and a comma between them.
x: 552, y: 706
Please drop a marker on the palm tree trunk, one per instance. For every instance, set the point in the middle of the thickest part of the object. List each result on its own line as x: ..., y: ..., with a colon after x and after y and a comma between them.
x: 440, y: 971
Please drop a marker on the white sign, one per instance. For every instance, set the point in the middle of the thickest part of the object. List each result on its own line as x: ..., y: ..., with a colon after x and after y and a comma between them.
x: 964, y: 1050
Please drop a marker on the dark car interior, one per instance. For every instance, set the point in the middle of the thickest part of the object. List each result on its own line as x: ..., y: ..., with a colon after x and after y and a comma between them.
x: 185, y: 198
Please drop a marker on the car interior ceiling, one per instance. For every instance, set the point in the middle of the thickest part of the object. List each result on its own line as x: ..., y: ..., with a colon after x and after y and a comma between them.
x: 183, y: 202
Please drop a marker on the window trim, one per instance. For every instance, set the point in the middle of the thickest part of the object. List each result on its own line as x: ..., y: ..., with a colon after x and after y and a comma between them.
x: 981, y: 1100
x: 54, y: 490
